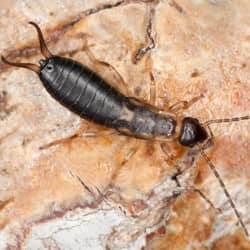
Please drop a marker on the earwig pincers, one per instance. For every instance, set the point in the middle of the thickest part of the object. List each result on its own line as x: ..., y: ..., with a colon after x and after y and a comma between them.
x: 91, y: 97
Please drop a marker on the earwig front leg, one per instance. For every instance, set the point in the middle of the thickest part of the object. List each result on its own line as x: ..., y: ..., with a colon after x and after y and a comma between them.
x: 182, y: 105
x: 171, y: 158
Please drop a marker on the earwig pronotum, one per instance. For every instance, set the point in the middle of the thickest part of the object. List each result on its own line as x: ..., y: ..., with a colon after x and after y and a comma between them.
x: 89, y: 96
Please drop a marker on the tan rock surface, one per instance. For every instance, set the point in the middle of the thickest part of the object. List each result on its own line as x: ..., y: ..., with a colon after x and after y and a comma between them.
x: 201, y: 47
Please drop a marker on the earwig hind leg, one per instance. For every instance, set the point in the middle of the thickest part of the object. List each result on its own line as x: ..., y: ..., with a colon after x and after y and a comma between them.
x: 59, y: 141
x: 76, y: 135
x: 182, y: 105
x: 80, y: 132
x: 130, y: 154
x: 152, y: 90
x: 149, y: 35
x: 120, y: 83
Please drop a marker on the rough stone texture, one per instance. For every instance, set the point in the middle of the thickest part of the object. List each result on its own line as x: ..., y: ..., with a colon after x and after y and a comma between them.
x: 201, y: 47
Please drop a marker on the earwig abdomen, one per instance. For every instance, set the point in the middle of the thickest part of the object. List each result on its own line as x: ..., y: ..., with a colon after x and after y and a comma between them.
x: 81, y: 90
x: 88, y: 95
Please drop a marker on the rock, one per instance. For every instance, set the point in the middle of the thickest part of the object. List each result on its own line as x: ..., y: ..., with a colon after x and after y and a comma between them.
x: 117, y: 192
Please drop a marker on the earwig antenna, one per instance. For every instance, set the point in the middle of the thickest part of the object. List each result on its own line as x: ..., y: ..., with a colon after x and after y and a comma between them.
x: 217, y: 175
x: 234, y: 119
x: 46, y: 53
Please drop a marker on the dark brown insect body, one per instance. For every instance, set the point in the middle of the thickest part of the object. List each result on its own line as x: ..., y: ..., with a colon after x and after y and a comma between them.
x: 88, y: 95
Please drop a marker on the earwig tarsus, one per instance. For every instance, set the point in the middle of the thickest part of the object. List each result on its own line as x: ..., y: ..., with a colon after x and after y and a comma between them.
x: 89, y: 96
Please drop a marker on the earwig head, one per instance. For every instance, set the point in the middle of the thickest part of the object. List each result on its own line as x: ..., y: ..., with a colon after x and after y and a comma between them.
x: 192, y: 132
x: 46, y: 53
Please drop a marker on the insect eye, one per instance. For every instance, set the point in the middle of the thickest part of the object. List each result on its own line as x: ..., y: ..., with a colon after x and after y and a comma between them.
x: 50, y: 67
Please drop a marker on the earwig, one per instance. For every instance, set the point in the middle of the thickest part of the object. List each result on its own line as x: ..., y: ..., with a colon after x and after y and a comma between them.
x: 88, y: 95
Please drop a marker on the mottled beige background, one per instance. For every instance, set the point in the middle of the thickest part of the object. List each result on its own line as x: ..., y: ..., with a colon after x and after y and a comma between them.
x: 201, y: 46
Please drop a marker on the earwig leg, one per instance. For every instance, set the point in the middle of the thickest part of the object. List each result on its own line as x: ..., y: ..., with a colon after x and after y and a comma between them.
x: 60, y: 141
x: 136, y: 100
x: 130, y: 154
x: 150, y: 36
x: 126, y: 159
x: 171, y: 160
x: 120, y: 83
x: 152, y: 91
x: 84, y: 134
x: 182, y: 105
